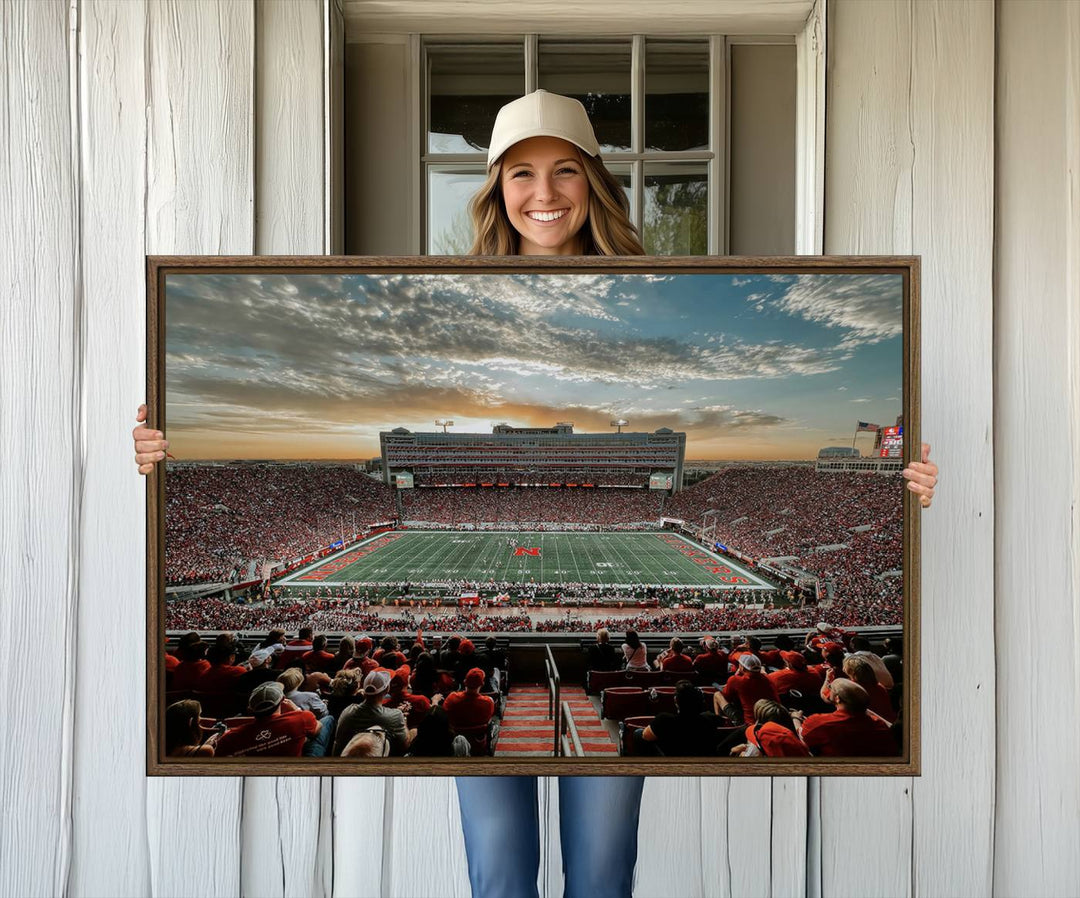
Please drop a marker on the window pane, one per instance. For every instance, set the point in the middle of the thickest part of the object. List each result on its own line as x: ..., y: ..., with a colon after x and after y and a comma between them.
x: 597, y: 74
x: 449, y: 230
x: 623, y: 174
x: 676, y: 95
x: 467, y: 84
x: 676, y: 209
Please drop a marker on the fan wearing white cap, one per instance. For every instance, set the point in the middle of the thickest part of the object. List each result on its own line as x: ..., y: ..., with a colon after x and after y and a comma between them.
x: 547, y: 192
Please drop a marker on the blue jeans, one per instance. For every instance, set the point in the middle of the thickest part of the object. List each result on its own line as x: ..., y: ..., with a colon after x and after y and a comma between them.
x: 319, y: 746
x: 598, y: 823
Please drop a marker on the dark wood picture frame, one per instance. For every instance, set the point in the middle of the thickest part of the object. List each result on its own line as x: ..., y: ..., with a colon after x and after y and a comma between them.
x: 906, y: 764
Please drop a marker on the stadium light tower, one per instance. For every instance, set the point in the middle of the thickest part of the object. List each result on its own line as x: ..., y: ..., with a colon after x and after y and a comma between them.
x: 621, y: 423
x: 443, y: 423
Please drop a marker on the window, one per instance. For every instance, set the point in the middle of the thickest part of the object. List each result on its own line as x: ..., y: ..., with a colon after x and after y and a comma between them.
x: 660, y: 108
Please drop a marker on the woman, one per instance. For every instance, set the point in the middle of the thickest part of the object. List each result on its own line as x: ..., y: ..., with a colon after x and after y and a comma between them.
x: 184, y: 737
x: 634, y: 652
x: 547, y: 194
x: 772, y: 734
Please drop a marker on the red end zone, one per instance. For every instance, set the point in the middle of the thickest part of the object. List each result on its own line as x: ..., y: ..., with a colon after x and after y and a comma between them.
x: 325, y: 571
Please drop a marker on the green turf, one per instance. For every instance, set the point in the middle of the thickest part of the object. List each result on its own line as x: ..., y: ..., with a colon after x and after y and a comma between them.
x: 596, y: 558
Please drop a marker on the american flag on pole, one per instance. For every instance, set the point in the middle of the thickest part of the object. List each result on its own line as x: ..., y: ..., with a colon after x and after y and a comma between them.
x: 863, y: 426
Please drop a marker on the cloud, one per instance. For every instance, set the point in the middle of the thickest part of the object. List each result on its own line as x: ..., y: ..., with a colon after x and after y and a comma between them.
x: 868, y: 307
x: 351, y: 336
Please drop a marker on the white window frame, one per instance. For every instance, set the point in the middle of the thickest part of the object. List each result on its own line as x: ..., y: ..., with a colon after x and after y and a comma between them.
x: 810, y: 125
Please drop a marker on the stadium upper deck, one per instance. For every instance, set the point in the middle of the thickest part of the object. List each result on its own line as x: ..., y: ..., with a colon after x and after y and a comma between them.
x: 526, y: 456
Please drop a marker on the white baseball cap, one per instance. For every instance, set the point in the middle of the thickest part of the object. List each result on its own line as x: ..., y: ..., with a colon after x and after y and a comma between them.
x: 541, y: 114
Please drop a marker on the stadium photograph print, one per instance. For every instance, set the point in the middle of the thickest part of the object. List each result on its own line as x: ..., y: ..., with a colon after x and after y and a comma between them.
x: 551, y: 516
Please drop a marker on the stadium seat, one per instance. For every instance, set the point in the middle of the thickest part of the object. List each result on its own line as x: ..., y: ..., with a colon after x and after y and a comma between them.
x: 664, y: 700
x: 620, y: 702
x: 481, y: 739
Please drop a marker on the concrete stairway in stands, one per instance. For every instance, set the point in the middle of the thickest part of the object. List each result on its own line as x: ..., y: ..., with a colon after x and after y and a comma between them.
x: 527, y: 733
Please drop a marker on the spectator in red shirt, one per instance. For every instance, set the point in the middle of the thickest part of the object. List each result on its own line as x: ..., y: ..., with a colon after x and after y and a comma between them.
x: 713, y: 661
x: 673, y: 658
x: 193, y: 663
x: 794, y: 675
x: 303, y: 638
x: 859, y: 670
x: 171, y: 663
x: 361, y: 658
x: 388, y: 655
x: 278, y: 730
x: 849, y: 731
x: 468, y: 708
x: 745, y: 687
x: 824, y: 637
x: 770, y: 658
x: 414, y: 707
x: 318, y: 659
x: 772, y: 734
x: 224, y: 673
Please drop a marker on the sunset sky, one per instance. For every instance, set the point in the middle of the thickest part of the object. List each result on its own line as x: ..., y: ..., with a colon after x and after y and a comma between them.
x: 314, y: 365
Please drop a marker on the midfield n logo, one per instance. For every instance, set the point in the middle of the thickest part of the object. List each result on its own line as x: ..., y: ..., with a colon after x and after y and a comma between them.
x: 521, y: 550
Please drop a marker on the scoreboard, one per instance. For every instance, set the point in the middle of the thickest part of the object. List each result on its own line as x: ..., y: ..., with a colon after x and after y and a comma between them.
x: 891, y: 444
x: 662, y: 480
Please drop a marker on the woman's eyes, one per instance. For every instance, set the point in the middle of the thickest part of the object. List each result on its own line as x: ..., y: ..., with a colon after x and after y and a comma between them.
x: 565, y: 170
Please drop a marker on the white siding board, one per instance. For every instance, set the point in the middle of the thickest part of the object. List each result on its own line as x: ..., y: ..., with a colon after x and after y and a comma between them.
x: 671, y: 839
x: 289, y: 154
x: 199, y: 196
x: 111, y: 859
x: 953, y: 230
x: 423, y: 847
x: 39, y: 312
x: 361, y: 817
x: 790, y: 798
x: 1036, y: 817
x: 910, y: 170
x: 286, y: 829
x: 285, y: 837
x: 868, y: 195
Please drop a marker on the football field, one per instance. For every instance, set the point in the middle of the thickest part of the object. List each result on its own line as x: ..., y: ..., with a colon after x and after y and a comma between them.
x: 613, y: 559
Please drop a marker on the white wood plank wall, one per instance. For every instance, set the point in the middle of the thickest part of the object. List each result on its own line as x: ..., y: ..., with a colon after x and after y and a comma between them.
x: 953, y: 131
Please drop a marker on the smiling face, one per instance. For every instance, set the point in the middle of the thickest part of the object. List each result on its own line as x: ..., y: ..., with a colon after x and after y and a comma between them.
x: 546, y: 195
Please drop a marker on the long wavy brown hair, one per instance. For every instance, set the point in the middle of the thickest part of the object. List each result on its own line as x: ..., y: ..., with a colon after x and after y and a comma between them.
x: 607, y: 231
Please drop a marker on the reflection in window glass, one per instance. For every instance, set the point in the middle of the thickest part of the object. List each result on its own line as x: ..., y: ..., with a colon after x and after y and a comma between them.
x: 450, y: 231
x: 676, y: 95
x: 676, y: 209
x: 623, y: 175
x: 467, y: 86
x: 597, y: 74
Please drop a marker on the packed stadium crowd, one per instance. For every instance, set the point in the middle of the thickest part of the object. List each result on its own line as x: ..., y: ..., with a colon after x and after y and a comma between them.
x: 833, y: 694
x: 845, y: 529
x: 220, y: 518
x: 543, y: 478
x: 830, y: 695
x: 336, y: 616
x: 793, y: 512
x: 294, y: 697
x: 576, y: 505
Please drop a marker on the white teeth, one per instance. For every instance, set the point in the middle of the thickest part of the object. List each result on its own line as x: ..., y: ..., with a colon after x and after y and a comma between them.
x: 546, y: 216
